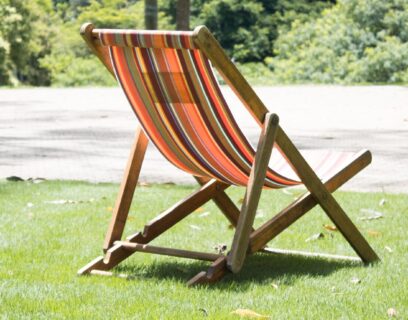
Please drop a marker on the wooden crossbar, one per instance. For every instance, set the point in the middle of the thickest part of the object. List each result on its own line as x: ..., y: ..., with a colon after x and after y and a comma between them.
x: 310, y: 254
x: 169, y: 251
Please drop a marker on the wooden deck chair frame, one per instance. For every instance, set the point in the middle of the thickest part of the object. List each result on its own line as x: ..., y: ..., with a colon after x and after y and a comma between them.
x: 246, y: 239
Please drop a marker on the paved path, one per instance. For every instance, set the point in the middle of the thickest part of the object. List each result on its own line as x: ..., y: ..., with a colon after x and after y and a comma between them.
x: 86, y: 133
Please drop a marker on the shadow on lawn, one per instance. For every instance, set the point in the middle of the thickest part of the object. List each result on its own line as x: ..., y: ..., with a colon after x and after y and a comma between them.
x: 258, y: 269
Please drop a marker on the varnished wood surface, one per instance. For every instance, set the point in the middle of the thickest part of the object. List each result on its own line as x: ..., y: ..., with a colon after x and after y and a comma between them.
x: 169, y: 251
x: 256, y: 181
x: 127, y: 189
x: 101, y: 52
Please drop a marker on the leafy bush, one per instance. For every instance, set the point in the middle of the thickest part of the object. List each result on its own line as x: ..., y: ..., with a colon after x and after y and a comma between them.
x: 24, y: 38
x: 71, y: 71
x: 355, y: 41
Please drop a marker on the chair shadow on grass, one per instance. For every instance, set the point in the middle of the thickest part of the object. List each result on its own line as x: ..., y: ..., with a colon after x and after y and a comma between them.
x: 258, y: 269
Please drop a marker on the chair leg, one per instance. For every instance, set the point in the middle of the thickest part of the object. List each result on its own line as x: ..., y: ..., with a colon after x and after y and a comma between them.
x: 257, y: 176
x: 127, y: 189
x: 326, y: 199
x: 273, y: 227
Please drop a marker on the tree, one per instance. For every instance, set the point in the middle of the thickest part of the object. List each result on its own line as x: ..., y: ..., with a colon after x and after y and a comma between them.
x: 183, y: 15
x: 150, y: 14
x: 248, y: 29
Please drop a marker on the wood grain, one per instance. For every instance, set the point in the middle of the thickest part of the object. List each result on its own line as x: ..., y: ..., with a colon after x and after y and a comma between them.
x: 169, y: 251
x: 256, y: 181
x: 127, y: 189
x: 86, y: 31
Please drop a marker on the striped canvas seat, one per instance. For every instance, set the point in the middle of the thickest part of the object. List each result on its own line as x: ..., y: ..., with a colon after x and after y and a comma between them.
x: 172, y: 89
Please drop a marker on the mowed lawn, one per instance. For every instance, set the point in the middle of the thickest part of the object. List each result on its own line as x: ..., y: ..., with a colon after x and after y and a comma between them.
x: 51, y: 229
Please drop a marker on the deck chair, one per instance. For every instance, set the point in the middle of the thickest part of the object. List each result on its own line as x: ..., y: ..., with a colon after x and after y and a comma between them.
x: 167, y: 77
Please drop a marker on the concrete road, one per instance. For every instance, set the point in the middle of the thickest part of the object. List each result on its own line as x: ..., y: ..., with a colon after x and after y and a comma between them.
x: 85, y: 134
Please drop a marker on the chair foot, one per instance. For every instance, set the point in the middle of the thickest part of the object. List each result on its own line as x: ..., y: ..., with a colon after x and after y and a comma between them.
x: 215, y: 273
x: 96, y: 264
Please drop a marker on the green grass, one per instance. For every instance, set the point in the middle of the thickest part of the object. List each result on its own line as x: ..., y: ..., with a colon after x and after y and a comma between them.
x: 42, y: 245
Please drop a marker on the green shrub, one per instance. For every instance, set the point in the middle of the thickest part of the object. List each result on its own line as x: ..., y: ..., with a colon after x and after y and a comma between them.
x: 24, y: 38
x: 355, y: 41
x: 71, y: 71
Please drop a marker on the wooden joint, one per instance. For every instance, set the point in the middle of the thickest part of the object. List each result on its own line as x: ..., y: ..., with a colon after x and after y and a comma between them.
x: 86, y: 29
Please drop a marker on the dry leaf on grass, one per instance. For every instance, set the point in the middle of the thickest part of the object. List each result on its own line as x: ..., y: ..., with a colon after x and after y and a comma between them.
x: 204, y: 214
x: 391, y: 312
x: 59, y: 201
x: 382, y: 202
x: 389, y: 249
x: 259, y: 214
x: 247, y: 313
x: 274, y: 285
x: 373, y: 215
x: 143, y: 184
x: 36, y: 180
x: 373, y: 233
x: 200, y: 209
x: 315, y: 237
x: 14, y: 179
x: 330, y: 227
x: 204, y: 311
x: 355, y: 280
x: 193, y: 226
x: 64, y: 201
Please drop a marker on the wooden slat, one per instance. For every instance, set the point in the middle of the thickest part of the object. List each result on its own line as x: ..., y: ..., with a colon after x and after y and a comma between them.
x: 325, y: 199
x: 169, y: 251
x: 127, y: 189
x: 305, y: 203
x: 256, y: 181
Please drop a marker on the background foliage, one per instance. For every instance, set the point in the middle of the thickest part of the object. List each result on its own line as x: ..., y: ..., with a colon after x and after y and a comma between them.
x: 354, y: 41
x: 287, y: 41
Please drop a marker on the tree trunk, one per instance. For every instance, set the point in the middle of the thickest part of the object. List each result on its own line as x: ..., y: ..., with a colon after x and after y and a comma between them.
x: 183, y: 15
x: 150, y: 13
